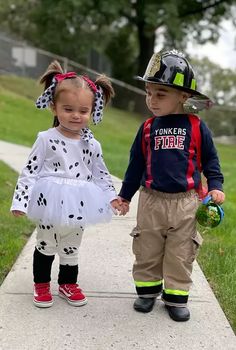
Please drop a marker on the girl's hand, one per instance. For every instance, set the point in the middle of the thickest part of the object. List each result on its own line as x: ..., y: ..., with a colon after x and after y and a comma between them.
x: 217, y: 196
x: 115, y: 206
x: 124, y: 206
x: 18, y: 213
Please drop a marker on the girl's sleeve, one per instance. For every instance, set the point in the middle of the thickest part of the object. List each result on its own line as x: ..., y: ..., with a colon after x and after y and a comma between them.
x: 28, y: 176
x: 210, y: 160
x: 101, y: 175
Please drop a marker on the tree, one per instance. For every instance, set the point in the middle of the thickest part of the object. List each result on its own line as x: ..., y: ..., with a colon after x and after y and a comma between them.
x: 65, y: 27
x: 220, y: 85
x: 125, y: 30
x: 178, y: 20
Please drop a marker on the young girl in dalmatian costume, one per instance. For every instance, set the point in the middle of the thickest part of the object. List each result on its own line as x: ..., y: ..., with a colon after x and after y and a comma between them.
x: 65, y: 184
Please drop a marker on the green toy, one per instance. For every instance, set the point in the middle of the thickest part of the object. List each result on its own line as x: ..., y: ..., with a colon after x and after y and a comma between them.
x: 209, y: 214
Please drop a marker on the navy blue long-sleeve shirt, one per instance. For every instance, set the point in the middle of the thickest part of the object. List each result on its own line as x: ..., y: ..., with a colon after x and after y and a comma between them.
x: 169, y: 161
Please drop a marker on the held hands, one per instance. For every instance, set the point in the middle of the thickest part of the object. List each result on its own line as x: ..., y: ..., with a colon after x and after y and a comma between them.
x: 124, y: 205
x: 120, y: 205
x: 217, y: 196
x: 17, y: 213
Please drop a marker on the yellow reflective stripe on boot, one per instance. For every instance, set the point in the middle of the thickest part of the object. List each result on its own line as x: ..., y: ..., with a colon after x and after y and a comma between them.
x: 176, y: 292
x: 147, y: 284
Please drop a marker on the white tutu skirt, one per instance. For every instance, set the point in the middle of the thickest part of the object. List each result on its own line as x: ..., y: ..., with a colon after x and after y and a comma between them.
x: 67, y: 203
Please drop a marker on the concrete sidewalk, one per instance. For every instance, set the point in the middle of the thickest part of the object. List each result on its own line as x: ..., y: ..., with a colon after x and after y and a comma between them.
x: 108, y: 321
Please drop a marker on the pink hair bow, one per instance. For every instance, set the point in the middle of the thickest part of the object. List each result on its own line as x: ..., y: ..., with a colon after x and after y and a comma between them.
x: 46, y: 98
x: 61, y: 76
x: 90, y: 83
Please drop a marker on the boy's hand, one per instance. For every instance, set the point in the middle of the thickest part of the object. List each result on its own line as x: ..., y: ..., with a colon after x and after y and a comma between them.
x: 124, y: 205
x: 17, y: 213
x: 116, y: 206
x: 217, y: 196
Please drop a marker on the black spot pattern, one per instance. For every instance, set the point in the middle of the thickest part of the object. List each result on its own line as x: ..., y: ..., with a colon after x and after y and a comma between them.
x: 87, y: 156
x: 82, y: 229
x: 22, y: 195
x: 80, y: 217
x: 57, y: 143
x: 42, y: 245
x: 98, y: 106
x: 55, y: 237
x: 44, y: 227
x: 74, y: 165
x: 56, y: 166
x: 31, y: 167
x: 41, y: 200
x: 70, y: 250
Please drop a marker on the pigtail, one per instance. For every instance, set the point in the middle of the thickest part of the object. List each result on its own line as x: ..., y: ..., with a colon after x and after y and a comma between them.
x: 104, y: 82
x: 46, y: 79
x: 53, y: 69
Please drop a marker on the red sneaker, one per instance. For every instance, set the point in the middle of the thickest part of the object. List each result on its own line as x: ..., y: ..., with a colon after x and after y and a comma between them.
x: 42, y: 295
x: 73, y: 294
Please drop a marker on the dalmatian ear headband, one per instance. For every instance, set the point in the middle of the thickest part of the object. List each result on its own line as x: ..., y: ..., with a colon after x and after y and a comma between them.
x: 98, y: 103
x: 46, y: 98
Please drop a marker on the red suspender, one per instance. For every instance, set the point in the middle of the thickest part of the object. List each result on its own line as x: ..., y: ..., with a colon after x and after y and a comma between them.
x: 195, y: 142
x: 147, y: 149
x: 196, y: 137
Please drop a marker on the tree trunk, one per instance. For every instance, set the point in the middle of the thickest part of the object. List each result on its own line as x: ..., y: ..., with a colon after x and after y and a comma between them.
x: 146, y: 48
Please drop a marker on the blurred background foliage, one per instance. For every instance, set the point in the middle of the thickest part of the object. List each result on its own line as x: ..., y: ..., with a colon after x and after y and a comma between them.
x: 124, y: 30
x: 125, y: 33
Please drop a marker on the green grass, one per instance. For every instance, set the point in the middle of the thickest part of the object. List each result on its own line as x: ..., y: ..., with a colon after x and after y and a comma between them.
x: 217, y: 256
x: 20, y: 122
x: 25, y: 87
x: 14, y: 233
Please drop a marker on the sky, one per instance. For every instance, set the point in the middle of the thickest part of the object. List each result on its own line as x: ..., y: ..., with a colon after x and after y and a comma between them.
x: 224, y: 51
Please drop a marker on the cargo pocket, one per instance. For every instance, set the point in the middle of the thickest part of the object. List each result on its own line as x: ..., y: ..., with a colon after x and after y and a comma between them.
x: 197, y: 242
x: 136, y: 240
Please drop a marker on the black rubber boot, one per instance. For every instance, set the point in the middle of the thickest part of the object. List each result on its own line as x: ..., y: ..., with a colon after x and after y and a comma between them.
x: 178, y: 314
x: 144, y: 304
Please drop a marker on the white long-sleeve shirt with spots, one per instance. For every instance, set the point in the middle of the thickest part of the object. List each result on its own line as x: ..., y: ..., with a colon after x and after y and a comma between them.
x: 56, y: 155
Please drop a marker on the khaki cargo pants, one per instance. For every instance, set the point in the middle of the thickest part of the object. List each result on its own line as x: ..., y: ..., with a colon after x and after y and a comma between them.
x: 165, y: 244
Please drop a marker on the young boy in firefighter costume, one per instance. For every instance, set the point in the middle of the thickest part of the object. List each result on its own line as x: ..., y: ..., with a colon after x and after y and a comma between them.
x: 166, y: 159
